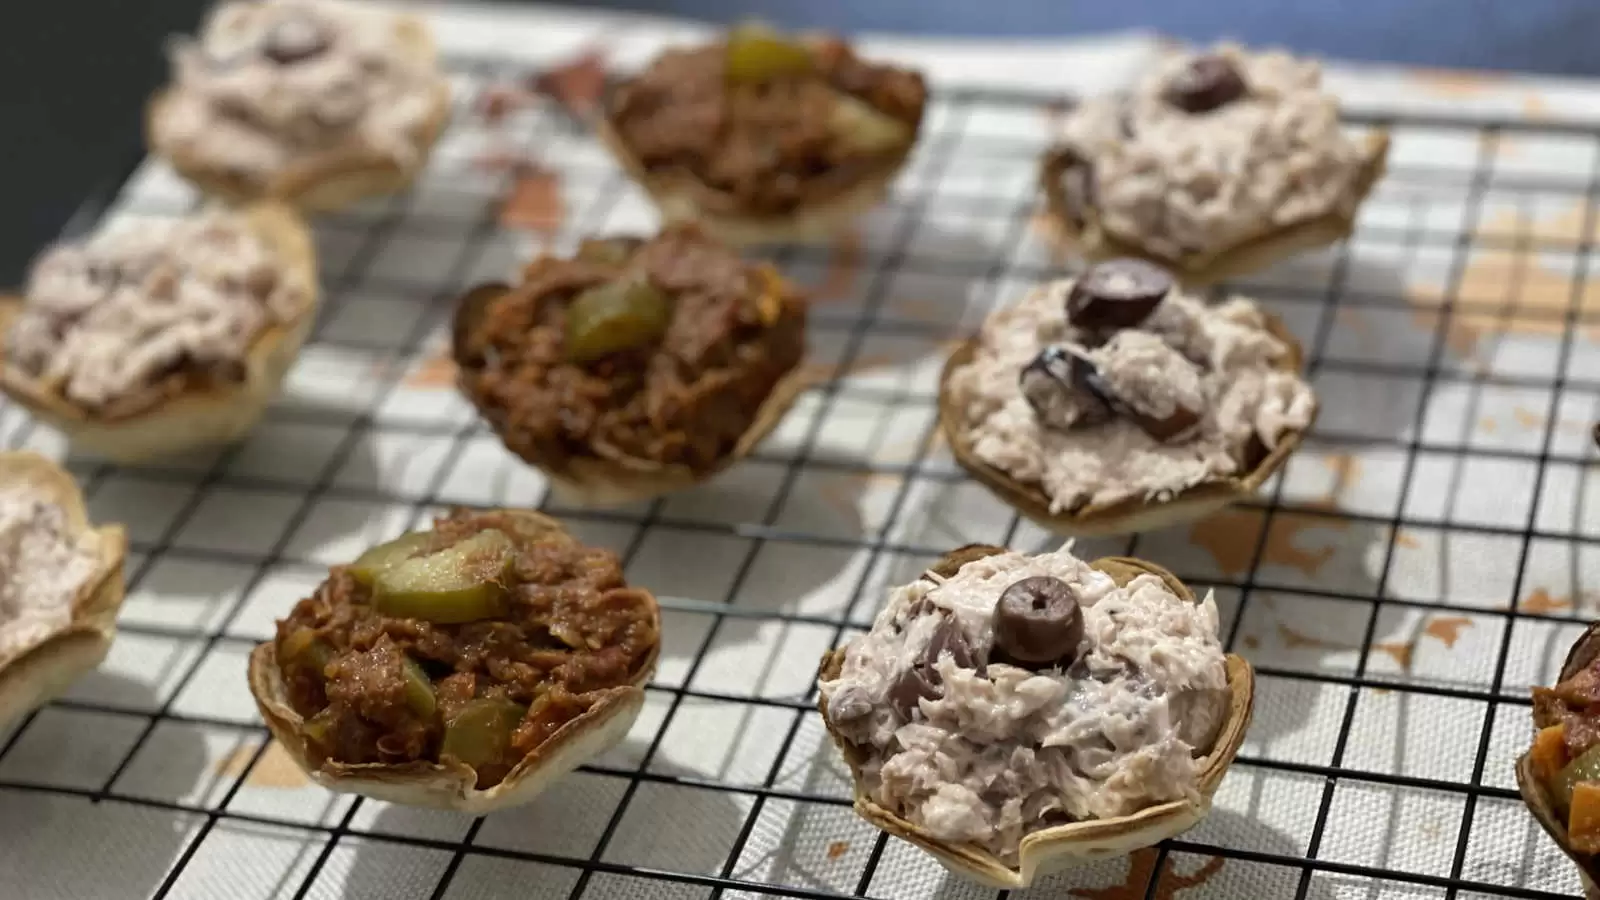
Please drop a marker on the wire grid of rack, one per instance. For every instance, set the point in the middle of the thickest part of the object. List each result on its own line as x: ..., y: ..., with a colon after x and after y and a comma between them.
x: 1398, y: 587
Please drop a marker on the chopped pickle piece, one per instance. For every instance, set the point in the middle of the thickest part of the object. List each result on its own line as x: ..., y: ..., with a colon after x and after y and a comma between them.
x: 304, y: 648
x: 607, y: 251
x: 1585, y: 768
x: 419, y: 690
x: 618, y: 315
x: 479, y: 734
x: 319, y: 728
x: 756, y: 53
x: 461, y: 583
x: 861, y: 127
x: 387, y: 555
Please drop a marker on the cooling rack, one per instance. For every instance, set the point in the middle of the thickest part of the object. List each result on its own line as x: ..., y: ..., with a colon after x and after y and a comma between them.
x: 1427, y: 556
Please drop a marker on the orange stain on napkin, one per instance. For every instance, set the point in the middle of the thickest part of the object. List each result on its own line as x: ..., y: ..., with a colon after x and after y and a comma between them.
x: 1232, y: 534
x: 435, y: 372
x: 1542, y: 601
x: 274, y: 770
x: 534, y: 202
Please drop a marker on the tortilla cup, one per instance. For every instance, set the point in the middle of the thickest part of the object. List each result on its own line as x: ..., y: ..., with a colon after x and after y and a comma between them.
x: 1089, y: 238
x: 35, y: 674
x: 1130, y: 515
x: 202, y: 414
x: 1063, y: 846
x: 602, y: 481
x: 1536, y: 794
x: 324, y: 181
x: 453, y: 785
x: 681, y: 197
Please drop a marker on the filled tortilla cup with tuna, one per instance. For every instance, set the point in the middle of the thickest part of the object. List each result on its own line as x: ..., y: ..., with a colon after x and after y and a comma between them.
x: 318, y: 105
x: 1036, y: 642
x: 1114, y: 403
x: 636, y: 367
x: 1559, y: 776
x: 763, y: 138
x: 65, y: 583
x: 466, y: 667
x: 1216, y: 164
x: 149, y: 341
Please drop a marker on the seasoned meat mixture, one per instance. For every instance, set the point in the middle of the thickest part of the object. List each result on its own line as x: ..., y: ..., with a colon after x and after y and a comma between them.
x: 659, y: 351
x: 768, y: 123
x: 478, y: 641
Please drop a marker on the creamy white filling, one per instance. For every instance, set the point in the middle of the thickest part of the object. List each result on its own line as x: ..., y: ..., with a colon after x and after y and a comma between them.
x: 104, y: 318
x: 1007, y: 751
x: 239, y: 110
x: 1178, y: 183
x: 42, y: 569
x: 1244, y: 396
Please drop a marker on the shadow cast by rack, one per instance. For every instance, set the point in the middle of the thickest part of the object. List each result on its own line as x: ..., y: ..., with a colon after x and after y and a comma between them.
x: 667, y: 827
x: 52, y: 844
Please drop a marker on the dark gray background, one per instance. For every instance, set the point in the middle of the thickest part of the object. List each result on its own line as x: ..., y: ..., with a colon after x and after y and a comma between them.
x: 74, y: 74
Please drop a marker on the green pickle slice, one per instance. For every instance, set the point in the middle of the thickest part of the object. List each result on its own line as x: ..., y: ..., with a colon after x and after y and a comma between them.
x: 303, y: 648
x: 461, y: 583
x: 387, y: 555
x: 479, y: 734
x: 419, y: 690
x: 319, y: 728
x: 756, y: 53
x: 1585, y: 768
x: 618, y: 315
x: 862, y: 127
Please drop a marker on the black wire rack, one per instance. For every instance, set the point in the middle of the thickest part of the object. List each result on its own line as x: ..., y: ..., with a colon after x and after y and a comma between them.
x: 1395, y: 618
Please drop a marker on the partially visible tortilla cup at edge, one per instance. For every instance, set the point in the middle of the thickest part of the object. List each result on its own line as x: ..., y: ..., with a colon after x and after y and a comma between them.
x: 1536, y: 794
x: 42, y: 671
x: 1063, y: 846
x: 200, y: 416
x: 1130, y: 515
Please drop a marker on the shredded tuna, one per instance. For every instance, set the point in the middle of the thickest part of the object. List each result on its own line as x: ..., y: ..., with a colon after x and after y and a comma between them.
x: 107, y: 320
x: 1247, y: 400
x: 235, y: 108
x: 44, y: 566
x: 1177, y: 183
x: 1006, y: 751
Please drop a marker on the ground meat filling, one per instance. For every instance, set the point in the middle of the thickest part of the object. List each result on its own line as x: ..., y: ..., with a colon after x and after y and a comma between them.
x: 773, y: 144
x: 659, y: 351
x: 1575, y: 704
x: 381, y: 688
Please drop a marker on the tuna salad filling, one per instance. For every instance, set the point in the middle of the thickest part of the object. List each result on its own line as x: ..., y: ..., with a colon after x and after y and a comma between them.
x: 132, y: 316
x: 269, y: 82
x: 46, y: 568
x: 661, y: 351
x: 474, y: 642
x: 1116, y: 386
x: 1024, y: 692
x: 1207, y: 152
x: 765, y: 124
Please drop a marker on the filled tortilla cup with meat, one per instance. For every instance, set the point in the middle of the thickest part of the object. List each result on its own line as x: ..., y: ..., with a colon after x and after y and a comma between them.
x: 763, y: 138
x: 144, y: 344
x: 636, y: 367
x: 998, y: 837
x: 467, y: 667
x: 1559, y: 776
x: 366, y: 104
x: 1215, y: 164
x: 1162, y: 417
x: 65, y: 583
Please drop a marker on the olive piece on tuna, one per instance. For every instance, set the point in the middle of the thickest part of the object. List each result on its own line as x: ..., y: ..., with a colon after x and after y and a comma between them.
x: 1037, y: 623
x: 922, y: 681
